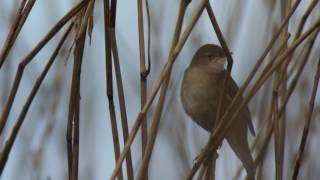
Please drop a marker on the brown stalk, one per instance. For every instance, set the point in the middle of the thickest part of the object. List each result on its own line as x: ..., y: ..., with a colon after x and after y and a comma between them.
x: 228, y: 74
x: 72, y: 136
x: 305, y: 16
x: 261, y: 153
x: 121, y: 97
x: 19, y: 20
x: 84, y: 24
x: 227, y: 52
x: 73, y: 129
x: 307, y: 124
x: 218, y: 135
x: 143, y: 77
x: 30, y: 56
x: 157, y: 116
x: 277, y: 131
x: 109, y: 84
x: 9, y: 143
x: 269, y: 129
x: 153, y: 131
x: 211, y: 167
x: 157, y: 85
x: 202, y: 172
x: 113, y: 13
x: 277, y: 96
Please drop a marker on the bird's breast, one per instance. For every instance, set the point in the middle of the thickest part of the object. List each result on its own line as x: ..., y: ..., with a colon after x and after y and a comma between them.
x: 199, y: 96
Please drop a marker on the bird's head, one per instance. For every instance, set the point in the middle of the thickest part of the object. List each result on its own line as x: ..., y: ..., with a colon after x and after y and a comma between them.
x: 211, y: 56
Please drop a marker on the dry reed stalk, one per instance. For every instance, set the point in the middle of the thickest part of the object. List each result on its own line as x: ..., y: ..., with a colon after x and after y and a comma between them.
x: 143, y: 76
x: 73, y: 120
x: 73, y: 123
x: 225, y: 48
x: 307, y: 124
x: 9, y: 143
x: 277, y: 96
x: 153, y: 131
x: 202, y: 172
x: 121, y: 97
x: 282, y: 66
x: 109, y: 84
x: 28, y: 58
x: 19, y: 19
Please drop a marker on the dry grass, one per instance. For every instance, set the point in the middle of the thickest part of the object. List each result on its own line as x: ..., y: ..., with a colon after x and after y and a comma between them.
x: 287, y: 54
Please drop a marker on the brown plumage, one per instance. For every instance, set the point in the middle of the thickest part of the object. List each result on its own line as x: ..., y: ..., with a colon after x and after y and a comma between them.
x: 201, y: 85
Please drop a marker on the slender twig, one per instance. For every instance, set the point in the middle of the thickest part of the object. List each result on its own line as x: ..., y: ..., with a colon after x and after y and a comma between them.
x: 123, y: 113
x: 307, y: 124
x: 9, y: 143
x: 121, y: 98
x: 202, y: 172
x: 143, y: 78
x: 277, y: 96
x: 109, y: 84
x: 73, y: 126
x: 20, y: 18
x: 305, y: 16
x: 153, y: 131
x: 113, y: 13
x: 225, y: 80
x: 72, y: 136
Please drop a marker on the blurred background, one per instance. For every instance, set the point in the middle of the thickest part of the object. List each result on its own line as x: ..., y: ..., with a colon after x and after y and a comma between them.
x: 40, y: 150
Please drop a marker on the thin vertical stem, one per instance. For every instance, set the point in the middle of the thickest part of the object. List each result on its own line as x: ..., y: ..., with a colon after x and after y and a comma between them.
x: 121, y: 97
x: 109, y: 84
x: 307, y: 123
x: 143, y: 78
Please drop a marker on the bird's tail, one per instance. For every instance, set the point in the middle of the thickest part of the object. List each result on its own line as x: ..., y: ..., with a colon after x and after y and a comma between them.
x: 239, y: 144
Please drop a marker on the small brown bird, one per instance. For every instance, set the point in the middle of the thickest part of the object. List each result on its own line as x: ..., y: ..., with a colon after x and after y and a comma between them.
x: 201, y: 85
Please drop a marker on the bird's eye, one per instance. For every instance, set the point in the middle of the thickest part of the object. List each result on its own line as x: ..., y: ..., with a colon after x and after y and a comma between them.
x: 210, y: 56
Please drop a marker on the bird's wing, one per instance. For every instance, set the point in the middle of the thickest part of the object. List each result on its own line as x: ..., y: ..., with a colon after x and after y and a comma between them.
x: 232, y: 91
